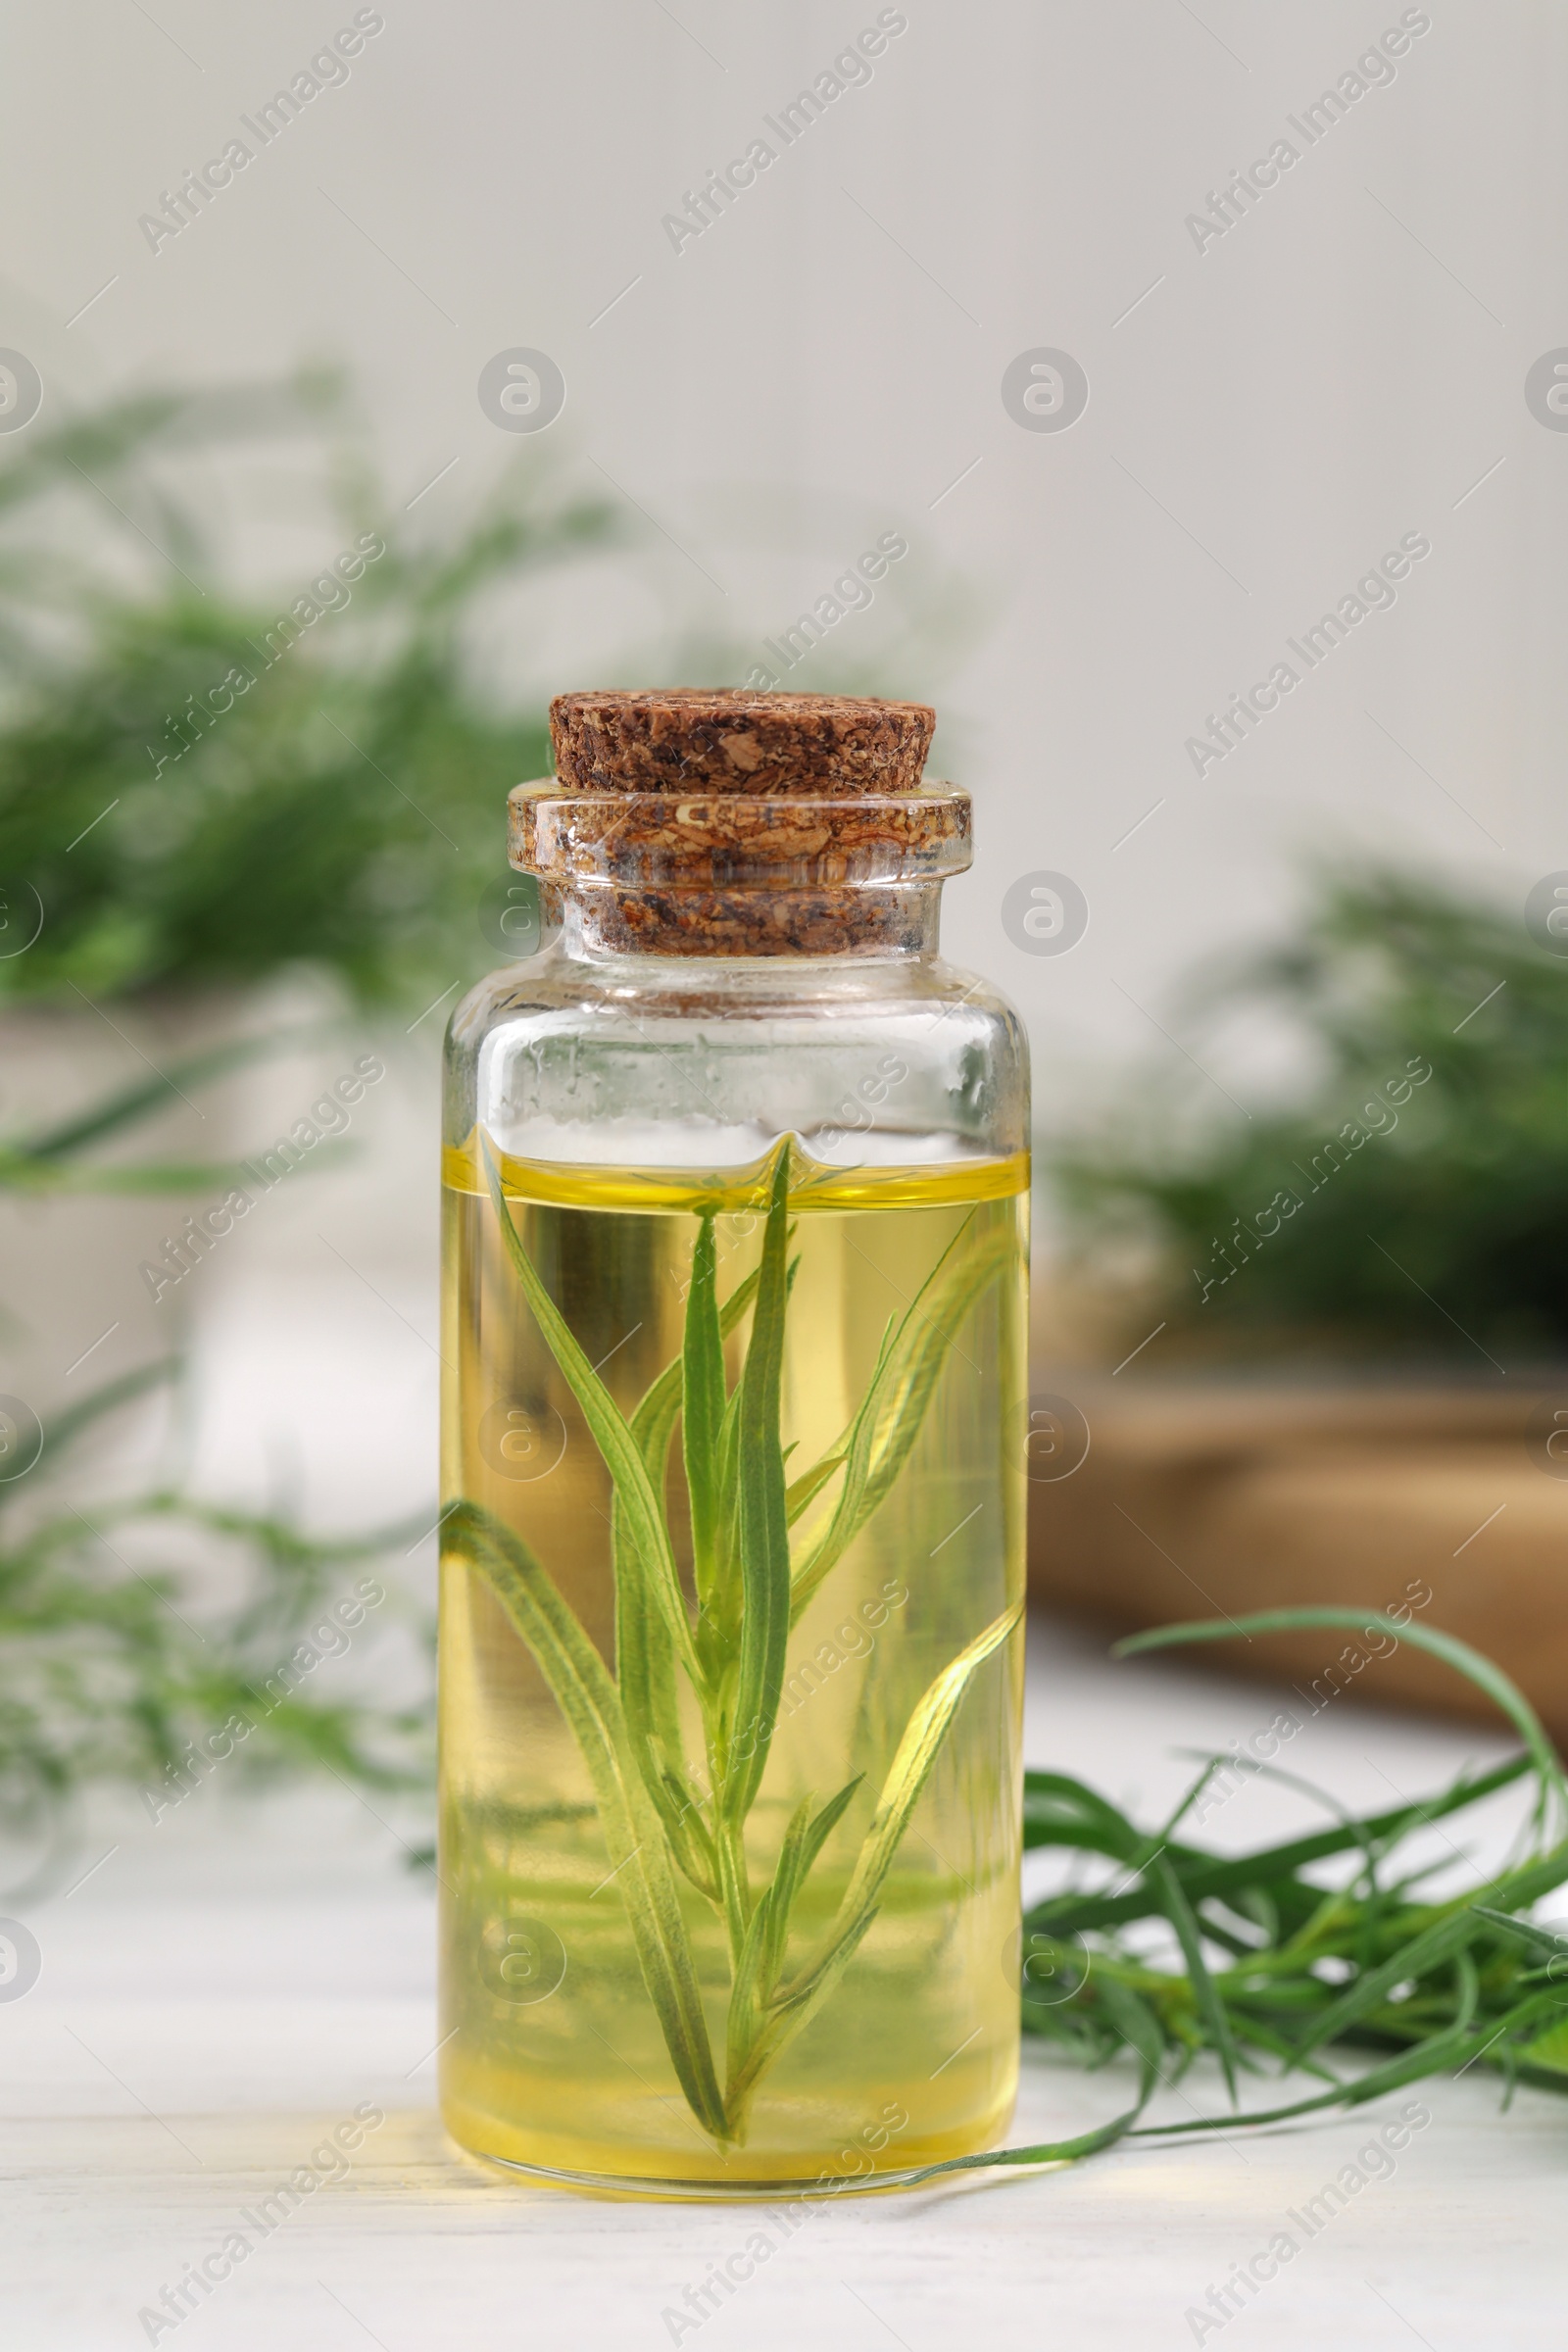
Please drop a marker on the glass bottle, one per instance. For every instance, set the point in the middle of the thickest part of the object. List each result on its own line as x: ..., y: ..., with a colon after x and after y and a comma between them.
x: 735, y: 1249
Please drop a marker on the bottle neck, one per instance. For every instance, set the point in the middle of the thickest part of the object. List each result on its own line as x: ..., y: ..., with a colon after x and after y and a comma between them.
x: 722, y: 876
x: 719, y: 922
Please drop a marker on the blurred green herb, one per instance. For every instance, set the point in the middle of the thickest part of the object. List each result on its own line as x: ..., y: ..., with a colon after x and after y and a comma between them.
x: 1388, y: 1210
x: 104, y: 1679
x: 202, y: 783
x: 54, y: 1158
x: 1250, y: 1960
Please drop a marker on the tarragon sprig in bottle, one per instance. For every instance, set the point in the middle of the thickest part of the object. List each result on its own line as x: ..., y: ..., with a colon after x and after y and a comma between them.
x: 668, y: 1821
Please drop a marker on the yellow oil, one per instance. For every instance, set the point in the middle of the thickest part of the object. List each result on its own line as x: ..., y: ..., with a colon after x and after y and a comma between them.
x: 555, y: 2059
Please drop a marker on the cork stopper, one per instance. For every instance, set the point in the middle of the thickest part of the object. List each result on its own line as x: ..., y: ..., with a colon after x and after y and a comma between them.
x: 729, y: 740
x: 709, y: 822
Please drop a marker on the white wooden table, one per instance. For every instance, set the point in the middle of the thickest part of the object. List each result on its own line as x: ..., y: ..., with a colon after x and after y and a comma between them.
x: 224, y: 1989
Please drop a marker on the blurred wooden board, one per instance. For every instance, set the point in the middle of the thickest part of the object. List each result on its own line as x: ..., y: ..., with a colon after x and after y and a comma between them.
x: 1202, y: 1500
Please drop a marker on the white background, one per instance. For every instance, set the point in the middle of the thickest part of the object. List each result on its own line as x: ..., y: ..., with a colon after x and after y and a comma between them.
x: 1339, y: 369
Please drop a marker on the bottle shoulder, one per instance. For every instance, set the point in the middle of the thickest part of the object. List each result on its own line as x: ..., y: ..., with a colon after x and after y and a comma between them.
x: 604, y: 993
x: 545, y: 1051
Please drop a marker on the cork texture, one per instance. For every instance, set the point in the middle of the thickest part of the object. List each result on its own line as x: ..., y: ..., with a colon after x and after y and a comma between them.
x: 868, y: 921
x: 701, y: 822
x: 739, y: 839
x: 732, y: 741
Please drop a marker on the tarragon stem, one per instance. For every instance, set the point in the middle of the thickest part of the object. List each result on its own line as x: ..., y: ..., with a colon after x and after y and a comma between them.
x: 588, y: 1698
x: 878, y: 1442
x: 764, y: 1523
x: 703, y: 1397
x: 749, y: 1592
x: 634, y: 1489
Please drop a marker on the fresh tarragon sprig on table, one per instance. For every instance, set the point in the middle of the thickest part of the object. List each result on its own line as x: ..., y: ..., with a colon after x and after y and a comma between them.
x: 750, y: 1592
x: 1273, y: 1973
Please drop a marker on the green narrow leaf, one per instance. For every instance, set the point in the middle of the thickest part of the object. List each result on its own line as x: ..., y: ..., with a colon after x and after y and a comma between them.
x: 726, y: 1597
x: 645, y: 1654
x: 1526, y: 1884
x: 1134, y: 2021
x: 1049, y: 2151
x: 803, y: 1840
x: 664, y: 1394
x: 144, y: 1176
x: 734, y: 1883
x: 1139, y: 2029
x: 1189, y: 1936
x: 1467, y: 1990
x: 916, y: 1753
x: 1429, y: 1950
x: 1428, y: 2057
x: 1458, y: 1654
x: 883, y: 1433
x: 803, y: 1491
x: 650, y: 1543
x: 1207, y: 1876
x: 588, y: 1699
x: 1550, y: 1947
x: 61, y: 1428
x: 788, y: 2013
x: 1054, y: 1802
x: 692, y: 1849
x: 762, y: 1521
x: 133, y: 1102
x: 645, y: 1670
x: 746, y: 1991
x: 796, y: 2001
x: 810, y: 1484
x: 703, y: 1401
x: 781, y: 1895
x: 823, y: 1827
x: 1450, y: 2045
x: 1453, y: 1928
x: 724, y: 1612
